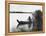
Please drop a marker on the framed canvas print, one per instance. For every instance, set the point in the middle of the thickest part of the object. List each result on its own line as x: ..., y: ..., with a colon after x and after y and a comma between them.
x: 24, y: 17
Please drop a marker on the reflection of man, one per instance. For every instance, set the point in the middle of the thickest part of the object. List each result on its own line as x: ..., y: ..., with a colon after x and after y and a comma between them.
x: 39, y: 19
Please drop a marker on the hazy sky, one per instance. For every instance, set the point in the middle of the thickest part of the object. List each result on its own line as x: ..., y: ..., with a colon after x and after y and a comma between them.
x: 25, y: 8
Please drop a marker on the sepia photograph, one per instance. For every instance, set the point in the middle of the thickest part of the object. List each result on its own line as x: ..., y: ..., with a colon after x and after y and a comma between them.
x: 26, y: 18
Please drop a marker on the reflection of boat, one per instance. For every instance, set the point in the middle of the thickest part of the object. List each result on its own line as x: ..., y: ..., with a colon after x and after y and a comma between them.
x: 25, y: 22
x: 25, y: 26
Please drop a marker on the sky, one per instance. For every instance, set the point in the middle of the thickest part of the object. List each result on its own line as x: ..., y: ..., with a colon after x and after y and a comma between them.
x: 24, y: 8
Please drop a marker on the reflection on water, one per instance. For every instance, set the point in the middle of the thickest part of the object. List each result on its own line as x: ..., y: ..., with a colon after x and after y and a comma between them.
x: 34, y: 24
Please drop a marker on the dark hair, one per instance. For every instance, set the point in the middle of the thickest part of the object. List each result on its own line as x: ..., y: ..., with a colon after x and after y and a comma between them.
x: 38, y: 12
